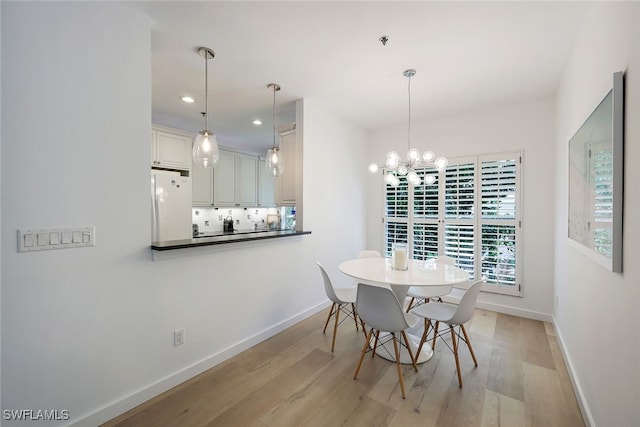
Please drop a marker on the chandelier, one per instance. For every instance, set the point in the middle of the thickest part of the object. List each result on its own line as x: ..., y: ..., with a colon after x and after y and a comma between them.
x: 396, y: 168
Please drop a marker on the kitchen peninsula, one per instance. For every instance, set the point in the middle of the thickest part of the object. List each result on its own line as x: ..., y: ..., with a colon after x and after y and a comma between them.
x: 225, y: 238
x: 235, y: 202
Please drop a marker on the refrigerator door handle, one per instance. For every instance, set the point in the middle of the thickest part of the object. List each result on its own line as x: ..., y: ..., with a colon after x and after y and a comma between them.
x: 155, y: 217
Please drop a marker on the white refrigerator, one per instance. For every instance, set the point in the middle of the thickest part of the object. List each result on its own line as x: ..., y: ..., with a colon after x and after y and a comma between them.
x: 170, y: 206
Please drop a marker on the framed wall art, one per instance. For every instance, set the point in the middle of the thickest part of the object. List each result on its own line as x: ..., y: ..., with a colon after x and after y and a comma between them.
x: 596, y: 179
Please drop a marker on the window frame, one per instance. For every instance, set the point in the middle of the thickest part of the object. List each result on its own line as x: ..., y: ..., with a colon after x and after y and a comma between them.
x: 420, y: 247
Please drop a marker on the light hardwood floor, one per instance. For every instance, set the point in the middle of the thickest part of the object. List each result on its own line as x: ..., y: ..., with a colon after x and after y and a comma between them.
x: 293, y: 379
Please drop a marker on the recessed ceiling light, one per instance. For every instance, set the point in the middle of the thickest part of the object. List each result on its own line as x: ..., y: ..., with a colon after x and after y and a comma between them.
x: 257, y: 122
x: 187, y: 99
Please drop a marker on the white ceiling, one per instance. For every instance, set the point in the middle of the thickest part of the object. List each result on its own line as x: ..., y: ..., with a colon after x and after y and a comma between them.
x: 468, y: 55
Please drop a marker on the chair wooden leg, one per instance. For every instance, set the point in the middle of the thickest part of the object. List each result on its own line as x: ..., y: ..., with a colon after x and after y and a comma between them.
x: 410, y: 306
x: 375, y: 343
x: 427, y: 325
x: 466, y: 338
x: 455, y: 353
x: 328, y: 317
x: 364, y: 328
x: 335, y: 328
x: 435, y: 334
x: 355, y: 316
x: 397, y: 351
x: 362, y: 353
x: 413, y: 358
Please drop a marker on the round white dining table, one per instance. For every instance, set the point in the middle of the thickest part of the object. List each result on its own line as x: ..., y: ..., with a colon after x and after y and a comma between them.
x: 380, y: 272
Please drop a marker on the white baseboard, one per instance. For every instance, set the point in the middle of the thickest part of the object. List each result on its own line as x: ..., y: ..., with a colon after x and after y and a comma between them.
x: 505, y: 309
x: 514, y: 311
x: 120, y: 406
x: 582, y: 403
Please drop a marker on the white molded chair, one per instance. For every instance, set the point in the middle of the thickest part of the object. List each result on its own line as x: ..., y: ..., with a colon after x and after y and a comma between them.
x: 454, y: 316
x: 341, y: 298
x: 369, y: 254
x: 380, y: 309
x: 421, y: 295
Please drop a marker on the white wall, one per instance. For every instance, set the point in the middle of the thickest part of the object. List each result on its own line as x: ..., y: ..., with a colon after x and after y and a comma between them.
x: 333, y: 181
x: 90, y: 330
x: 597, y: 317
x: 527, y: 127
x: 0, y: 222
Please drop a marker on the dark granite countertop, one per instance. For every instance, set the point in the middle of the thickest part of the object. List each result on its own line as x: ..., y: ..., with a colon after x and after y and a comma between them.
x: 208, y: 239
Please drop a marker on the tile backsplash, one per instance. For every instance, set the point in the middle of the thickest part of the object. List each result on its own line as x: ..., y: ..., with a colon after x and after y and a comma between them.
x: 211, y: 219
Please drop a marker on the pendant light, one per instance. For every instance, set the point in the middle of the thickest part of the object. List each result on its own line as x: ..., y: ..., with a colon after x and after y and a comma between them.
x: 415, y: 160
x: 275, y: 164
x: 205, y: 146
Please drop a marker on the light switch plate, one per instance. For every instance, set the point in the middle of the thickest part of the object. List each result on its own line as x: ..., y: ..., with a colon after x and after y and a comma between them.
x: 40, y: 239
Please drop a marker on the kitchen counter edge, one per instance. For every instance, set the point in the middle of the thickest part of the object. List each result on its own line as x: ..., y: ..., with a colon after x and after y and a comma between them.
x: 223, y: 239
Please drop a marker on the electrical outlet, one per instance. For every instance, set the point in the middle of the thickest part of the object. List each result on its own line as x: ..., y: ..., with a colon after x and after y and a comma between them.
x: 178, y: 337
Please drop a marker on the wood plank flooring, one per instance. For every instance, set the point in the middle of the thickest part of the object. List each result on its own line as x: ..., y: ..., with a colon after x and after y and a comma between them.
x: 293, y: 380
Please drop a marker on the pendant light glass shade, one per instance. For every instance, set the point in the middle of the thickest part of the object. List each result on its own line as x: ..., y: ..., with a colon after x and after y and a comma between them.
x: 275, y: 163
x: 275, y: 166
x: 205, y: 151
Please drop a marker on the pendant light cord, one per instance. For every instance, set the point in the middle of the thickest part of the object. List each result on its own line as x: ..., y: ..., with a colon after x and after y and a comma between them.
x: 206, y: 91
x: 409, y: 130
x: 274, y: 117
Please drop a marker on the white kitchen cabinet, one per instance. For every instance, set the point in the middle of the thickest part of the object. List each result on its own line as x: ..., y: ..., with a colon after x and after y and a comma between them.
x: 202, y: 186
x: 266, y: 186
x: 235, y: 180
x: 286, y: 184
x: 247, y: 180
x: 224, y: 180
x: 170, y: 150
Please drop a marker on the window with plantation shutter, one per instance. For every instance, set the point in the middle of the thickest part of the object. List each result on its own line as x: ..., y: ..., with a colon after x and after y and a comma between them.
x: 459, y: 243
x: 395, y: 232
x: 397, y: 205
x: 460, y: 191
x: 472, y: 214
x: 499, y: 222
x: 425, y: 241
x: 459, y: 213
x: 425, y: 217
x: 425, y: 197
x: 498, y: 254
